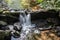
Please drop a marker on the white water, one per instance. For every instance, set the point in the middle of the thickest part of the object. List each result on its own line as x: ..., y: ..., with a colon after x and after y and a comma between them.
x: 25, y: 20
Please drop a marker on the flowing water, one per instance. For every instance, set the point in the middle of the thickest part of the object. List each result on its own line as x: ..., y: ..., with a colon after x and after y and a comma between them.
x: 25, y: 21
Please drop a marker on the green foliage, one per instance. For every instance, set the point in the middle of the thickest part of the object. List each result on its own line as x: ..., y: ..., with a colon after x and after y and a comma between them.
x: 50, y: 4
x: 45, y: 4
x: 39, y: 1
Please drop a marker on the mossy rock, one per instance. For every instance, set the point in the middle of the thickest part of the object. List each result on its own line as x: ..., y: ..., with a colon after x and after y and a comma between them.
x: 3, y: 34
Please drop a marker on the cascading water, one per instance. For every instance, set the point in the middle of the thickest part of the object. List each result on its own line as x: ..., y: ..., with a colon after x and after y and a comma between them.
x: 25, y: 20
x: 26, y: 25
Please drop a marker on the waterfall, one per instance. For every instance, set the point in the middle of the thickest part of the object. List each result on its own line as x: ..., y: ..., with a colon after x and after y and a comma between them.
x: 26, y: 24
x: 25, y: 20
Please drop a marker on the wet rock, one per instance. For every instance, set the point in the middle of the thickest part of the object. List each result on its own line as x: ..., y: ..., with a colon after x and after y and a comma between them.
x: 3, y: 23
x: 53, y: 21
x: 57, y: 29
x: 2, y: 27
x: 58, y: 34
x: 44, y: 14
x: 16, y: 34
x: 17, y: 26
x: 10, y: 27
x: 36, y: 31
x: 42, y: 24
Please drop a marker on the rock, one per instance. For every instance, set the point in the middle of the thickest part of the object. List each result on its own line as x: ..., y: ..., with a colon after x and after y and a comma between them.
x: 58, y: 34
x: 53, y: 20
x: 57, y: 28
x: 36, y: 31
x: 3, y: 23
x: 16, y: 34
x: 42, y: 24
x: 10, y: 27
x: 17, y: 26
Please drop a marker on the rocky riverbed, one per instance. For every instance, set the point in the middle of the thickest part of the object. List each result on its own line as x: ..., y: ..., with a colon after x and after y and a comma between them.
x: 47, y: 24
